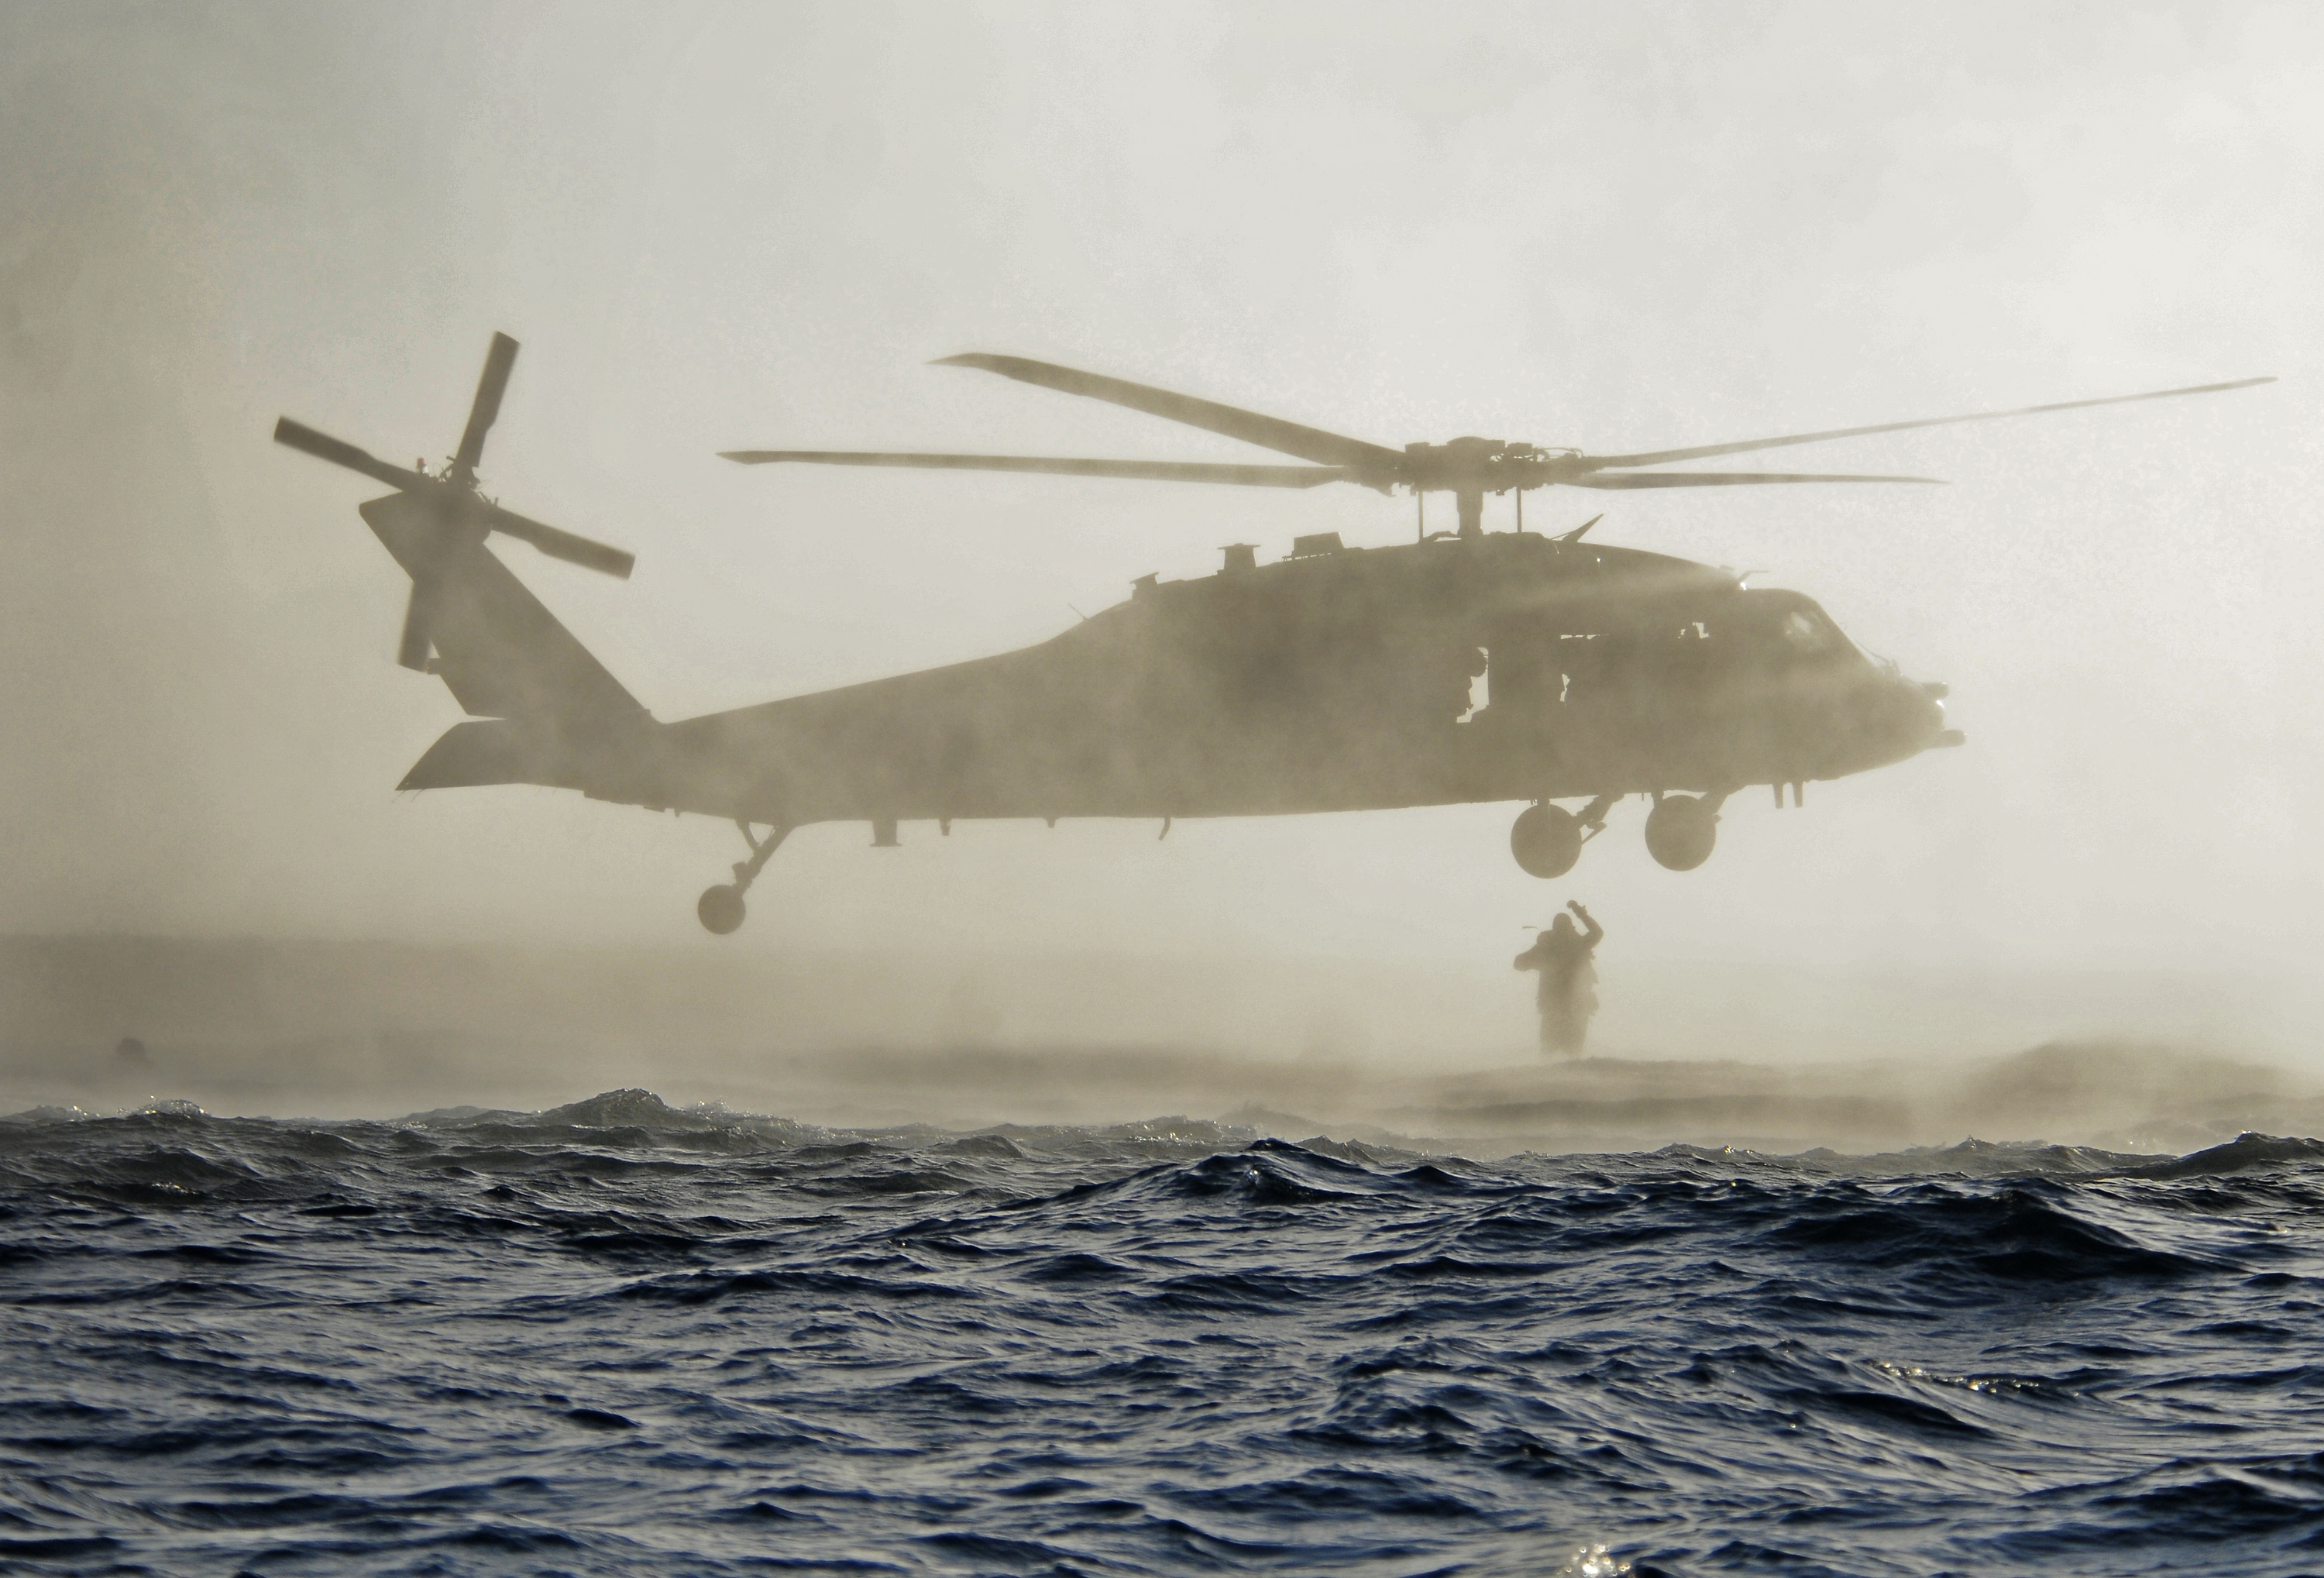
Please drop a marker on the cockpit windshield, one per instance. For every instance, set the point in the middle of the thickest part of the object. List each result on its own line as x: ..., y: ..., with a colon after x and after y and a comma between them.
x: 1797, y: 628
x: 1809, y: 634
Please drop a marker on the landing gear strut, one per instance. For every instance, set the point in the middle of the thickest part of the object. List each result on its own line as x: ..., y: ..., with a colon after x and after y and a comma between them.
x: 1682, y: 830
x: 1547, y: 839
x: 720, y: 909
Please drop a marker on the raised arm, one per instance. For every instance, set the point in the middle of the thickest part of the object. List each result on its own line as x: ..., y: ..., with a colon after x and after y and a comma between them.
x: 1591, y: 932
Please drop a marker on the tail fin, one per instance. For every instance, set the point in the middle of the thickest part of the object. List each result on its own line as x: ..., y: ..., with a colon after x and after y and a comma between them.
x: 503, y: 654
x: 557, y: 717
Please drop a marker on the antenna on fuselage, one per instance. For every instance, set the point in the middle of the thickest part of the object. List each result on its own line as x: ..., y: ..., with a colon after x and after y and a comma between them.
x: 1575, y: 535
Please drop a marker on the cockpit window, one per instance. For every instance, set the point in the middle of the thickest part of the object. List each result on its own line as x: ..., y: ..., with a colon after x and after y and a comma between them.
x: 1810, y: 635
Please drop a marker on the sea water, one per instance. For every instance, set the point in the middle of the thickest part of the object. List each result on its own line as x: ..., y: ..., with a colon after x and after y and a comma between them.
x: 623, y: 1338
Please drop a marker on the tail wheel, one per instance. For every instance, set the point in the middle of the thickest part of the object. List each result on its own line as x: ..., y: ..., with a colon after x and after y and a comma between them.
x: 720, y: 909
x: 1546, y: 840
x: 1680, y: 831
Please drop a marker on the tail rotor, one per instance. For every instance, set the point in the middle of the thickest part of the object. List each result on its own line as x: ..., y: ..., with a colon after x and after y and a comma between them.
x: 458, y: 515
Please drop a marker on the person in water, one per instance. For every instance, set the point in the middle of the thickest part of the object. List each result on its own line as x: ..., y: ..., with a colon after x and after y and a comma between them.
x: 1567, y: 992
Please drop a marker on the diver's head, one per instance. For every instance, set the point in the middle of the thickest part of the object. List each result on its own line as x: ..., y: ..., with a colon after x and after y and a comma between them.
x: 1563, y: 926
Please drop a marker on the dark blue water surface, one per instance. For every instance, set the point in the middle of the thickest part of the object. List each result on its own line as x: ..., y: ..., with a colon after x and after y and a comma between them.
x: 616, y: 1338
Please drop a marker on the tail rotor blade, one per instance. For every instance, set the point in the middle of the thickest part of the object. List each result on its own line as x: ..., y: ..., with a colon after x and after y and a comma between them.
x: 486, y: 409
x: 338, y: 452
x: 419, y: 625
x: 564, y: 545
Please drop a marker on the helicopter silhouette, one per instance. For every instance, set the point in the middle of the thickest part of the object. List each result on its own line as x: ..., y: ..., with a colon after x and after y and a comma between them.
x: 1335, y: 678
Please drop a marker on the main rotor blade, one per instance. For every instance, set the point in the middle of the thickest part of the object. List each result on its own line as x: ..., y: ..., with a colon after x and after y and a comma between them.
x: 1635, y: 479
x: 1705, y: 451
x: 487, y: 408
x: 1140, y: 470
x: 338, y: 452
x: 1232, y: 421
x: 556, y: 544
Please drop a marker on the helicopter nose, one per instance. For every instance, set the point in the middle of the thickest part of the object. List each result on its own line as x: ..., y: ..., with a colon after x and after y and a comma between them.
x: 1932, y: 708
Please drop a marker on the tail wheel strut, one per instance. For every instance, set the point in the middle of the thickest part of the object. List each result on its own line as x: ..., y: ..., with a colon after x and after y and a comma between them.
x: 721, y: 909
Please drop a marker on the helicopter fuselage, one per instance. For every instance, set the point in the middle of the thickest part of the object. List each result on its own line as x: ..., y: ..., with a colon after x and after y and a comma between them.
x: 1509, y: 667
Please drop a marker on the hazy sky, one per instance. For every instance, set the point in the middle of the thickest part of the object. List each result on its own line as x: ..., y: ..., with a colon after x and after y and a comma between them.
x: 717, y: 226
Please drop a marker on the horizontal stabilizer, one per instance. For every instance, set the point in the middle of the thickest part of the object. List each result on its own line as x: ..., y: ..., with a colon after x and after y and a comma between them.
x: 476, y: 752
x: 610, y: 758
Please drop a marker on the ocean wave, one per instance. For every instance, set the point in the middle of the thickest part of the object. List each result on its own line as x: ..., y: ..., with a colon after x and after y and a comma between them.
x: 620, y: 1335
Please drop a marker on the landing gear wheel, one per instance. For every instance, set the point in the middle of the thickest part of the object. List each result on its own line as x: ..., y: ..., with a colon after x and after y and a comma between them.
x: 1680, y: 831
x: 1546, y: 840
x: 721, y: 910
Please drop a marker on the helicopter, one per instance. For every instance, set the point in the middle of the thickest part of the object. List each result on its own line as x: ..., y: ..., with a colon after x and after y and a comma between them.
x: 1462, y: 667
